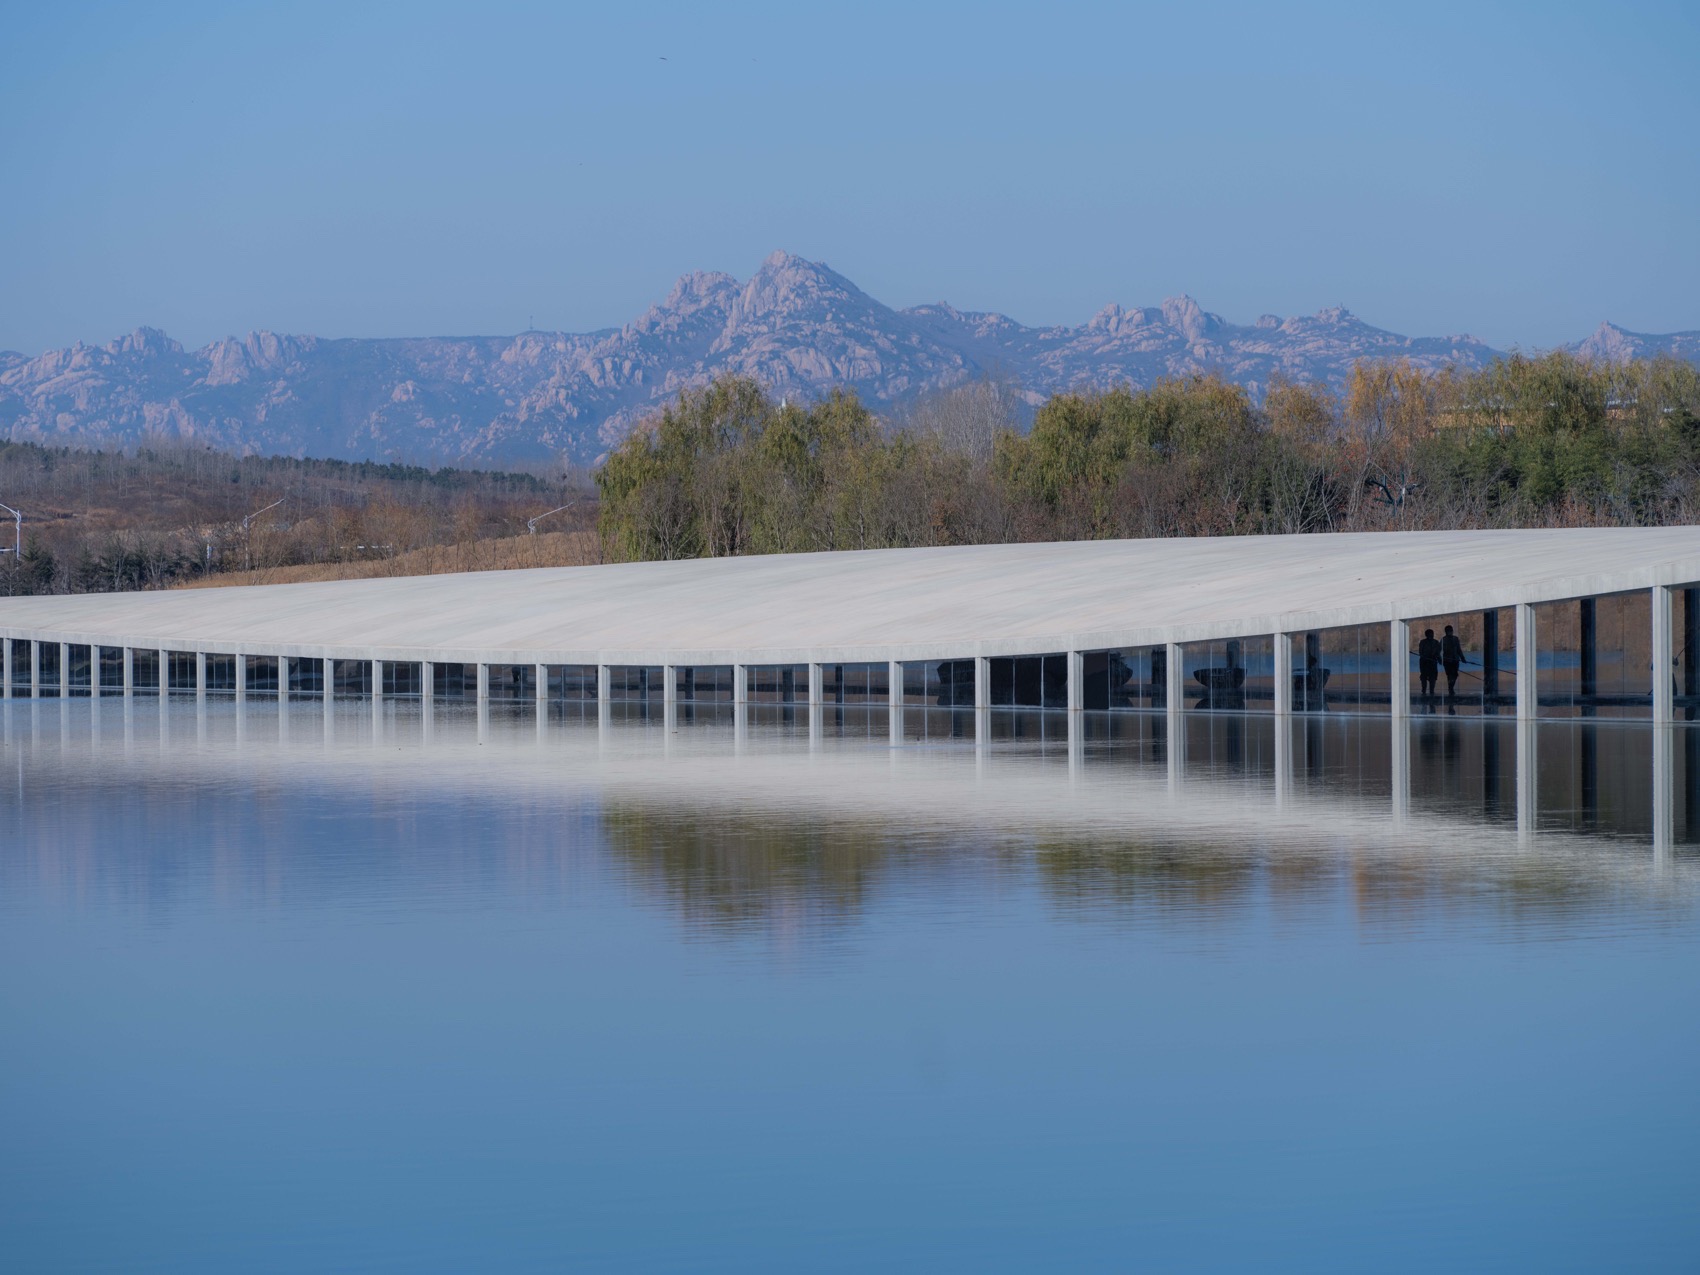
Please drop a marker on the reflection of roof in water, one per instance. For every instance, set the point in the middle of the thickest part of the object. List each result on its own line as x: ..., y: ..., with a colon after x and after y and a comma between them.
x: 905, y: 604
x: 1108, y: 812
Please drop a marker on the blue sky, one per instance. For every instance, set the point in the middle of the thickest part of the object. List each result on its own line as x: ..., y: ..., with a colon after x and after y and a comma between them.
x: 1520, y: 172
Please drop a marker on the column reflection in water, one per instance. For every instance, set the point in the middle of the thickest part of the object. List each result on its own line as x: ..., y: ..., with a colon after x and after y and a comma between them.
x: 1664, y: 790
x: 1526, y: 785
x: 1174, y: 739
x: 1399, y: 764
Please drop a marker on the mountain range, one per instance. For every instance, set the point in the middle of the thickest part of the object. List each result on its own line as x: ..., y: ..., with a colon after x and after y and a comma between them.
x: 797, y: 326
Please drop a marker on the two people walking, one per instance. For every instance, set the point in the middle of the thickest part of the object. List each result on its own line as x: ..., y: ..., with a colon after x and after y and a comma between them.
x: 1437, y: 654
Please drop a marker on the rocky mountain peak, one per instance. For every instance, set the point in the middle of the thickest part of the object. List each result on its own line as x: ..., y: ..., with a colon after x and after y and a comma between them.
x: 788, y: 288
x: 1618, y: 344
x: 144, y: 343
x: 1609, y: 343
x: 699, y: 288
x: 786, y: 281
x: 1191, y: 318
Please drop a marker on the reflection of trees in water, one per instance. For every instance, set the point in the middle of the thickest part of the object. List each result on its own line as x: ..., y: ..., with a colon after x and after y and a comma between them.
x: 733, y: 871
x: 783, y: 872
x: 1386, y: 888
x: 1391, y: 894
x: 1087, y: 874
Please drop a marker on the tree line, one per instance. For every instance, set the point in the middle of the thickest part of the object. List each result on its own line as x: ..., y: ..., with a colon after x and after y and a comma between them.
x: 1541, y: 441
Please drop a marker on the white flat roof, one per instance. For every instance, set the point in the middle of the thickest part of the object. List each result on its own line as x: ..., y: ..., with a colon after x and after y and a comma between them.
x: 892, y: 604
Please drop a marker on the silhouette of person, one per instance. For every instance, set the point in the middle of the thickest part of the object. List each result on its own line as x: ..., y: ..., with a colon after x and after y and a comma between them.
x: 1428, y: 662
x: 1451, y: 656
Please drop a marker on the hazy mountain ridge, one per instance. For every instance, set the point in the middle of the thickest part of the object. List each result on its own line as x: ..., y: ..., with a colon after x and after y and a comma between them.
x: 797, y: 326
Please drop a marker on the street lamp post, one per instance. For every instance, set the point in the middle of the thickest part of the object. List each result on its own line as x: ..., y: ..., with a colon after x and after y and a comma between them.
x: 247, y: 540
x: 17, y: 550
x: 531, y: 523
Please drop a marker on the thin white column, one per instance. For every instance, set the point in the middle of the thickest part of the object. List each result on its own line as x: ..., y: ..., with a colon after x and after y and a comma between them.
x: 542, y: 690
x: 328, y: 675
x: 982, y: 682
x: 1664, y: 646
x: 740, y: 683
x: 669, y: 686
x: 377, y: 681
x: 427, y: 682
x: 1076, y: 682
x: 894, y: 698
x: 1399, y: 667
x: 35, y: 669
x: 64, y: 670
x: 200, y: 674
x: 604, y: 684
x: 483, y: 683
x: 1528, y: 646
x: 129, y: 671
x: 162, y: 683
x: 1174, y: 695
x: 817, y: 683
x: 241, y: 677
x: 1283, y: 676
x: 6, y: 667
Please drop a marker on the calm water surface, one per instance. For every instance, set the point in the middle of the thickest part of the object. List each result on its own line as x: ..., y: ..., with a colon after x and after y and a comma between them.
x: 297, y: 996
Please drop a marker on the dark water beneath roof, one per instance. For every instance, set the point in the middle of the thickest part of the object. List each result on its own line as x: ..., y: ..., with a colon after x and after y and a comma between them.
x: 277, y: 997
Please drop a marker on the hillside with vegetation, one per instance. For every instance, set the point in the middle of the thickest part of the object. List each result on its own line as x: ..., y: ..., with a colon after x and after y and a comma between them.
x: 162, y: 517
